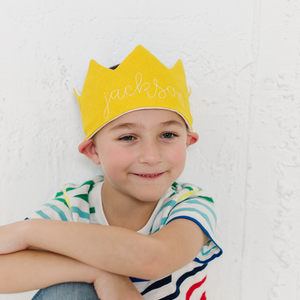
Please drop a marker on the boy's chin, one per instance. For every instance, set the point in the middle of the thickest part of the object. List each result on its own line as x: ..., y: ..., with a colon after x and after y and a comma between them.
x: 149, y: 195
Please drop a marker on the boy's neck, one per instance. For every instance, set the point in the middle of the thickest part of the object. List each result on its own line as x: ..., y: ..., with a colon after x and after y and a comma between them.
x: 124, y: 211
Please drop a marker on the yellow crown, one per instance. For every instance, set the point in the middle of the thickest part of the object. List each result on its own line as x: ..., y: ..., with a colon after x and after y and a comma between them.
x: 141, y: 81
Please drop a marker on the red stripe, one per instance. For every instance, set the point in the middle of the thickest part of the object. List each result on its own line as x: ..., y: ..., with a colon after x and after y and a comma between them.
x: 193, y: 287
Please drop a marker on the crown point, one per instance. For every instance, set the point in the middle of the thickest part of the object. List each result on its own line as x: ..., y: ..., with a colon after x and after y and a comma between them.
x: 76, y: 93
x: 178, y: 65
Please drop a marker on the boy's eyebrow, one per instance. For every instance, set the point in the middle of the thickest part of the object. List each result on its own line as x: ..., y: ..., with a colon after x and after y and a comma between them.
x: 134, y: 125
x: 172, y: 122
x: 125, y: 125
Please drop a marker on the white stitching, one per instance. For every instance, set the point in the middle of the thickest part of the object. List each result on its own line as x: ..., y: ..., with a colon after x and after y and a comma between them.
x: 141, y: 87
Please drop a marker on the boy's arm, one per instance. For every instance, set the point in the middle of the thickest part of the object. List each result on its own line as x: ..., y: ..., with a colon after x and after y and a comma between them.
x: 114, y: 249
x: 30, y: 270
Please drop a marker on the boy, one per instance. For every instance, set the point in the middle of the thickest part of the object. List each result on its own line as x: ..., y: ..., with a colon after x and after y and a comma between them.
x: 138, y: 125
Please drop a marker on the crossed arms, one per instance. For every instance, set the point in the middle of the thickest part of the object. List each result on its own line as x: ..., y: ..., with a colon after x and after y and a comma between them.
x: 93, y: 254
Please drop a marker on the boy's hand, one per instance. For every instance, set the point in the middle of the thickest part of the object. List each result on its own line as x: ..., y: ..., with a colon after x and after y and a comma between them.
x: 109, y: 286
x: 12, y: 238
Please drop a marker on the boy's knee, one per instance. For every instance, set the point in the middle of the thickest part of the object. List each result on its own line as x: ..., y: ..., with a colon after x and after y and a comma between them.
x: 67, y: 291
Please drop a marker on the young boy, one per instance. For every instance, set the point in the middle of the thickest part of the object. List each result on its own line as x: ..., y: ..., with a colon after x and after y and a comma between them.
x: 161, y: 234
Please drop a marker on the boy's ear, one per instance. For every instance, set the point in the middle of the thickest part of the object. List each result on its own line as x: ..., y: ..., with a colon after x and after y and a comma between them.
x: 88, y: 148
x: 192, y: 138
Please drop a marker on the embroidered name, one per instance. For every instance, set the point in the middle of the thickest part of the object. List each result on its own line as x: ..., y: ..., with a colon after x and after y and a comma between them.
x: 141, y: 87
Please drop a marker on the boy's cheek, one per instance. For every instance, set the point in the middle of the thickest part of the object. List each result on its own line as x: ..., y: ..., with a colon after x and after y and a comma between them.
x: 115, y: 158
x: 112, y: 153
x: 178, y: 155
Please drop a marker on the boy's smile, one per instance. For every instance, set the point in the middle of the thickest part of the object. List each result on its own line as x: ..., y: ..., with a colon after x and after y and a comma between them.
x: 141, y: 153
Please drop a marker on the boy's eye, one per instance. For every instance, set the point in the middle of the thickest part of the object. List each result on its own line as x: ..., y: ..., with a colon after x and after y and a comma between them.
x: 127, y: 138
x: 168, y: 135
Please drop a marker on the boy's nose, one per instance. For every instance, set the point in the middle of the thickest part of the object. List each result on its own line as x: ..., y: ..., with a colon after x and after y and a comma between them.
x: 150, y: 153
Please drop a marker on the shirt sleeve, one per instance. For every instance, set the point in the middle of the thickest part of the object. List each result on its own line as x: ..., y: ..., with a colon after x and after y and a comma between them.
x: 200, y: 209
x: 56, y: 209
x: 70, y: 204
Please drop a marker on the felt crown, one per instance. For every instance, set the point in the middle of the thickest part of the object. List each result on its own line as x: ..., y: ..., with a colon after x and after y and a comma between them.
x: 141, y: 81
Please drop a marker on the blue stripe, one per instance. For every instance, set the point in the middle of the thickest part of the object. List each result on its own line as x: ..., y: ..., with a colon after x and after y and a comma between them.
x: 181, y: 280
x: 133, y: 279
x: 168, y: 280
x: 198, y: 202
x: 193, y: 197
x: 210, y: 259
x: 157, y: 284
x: 58, y: 210
x: 197, y: 260
x: 163, y: 221
x: 185, y: 185
x: 194, y: 210
x: 208, y: 251
x: 42, y: 214
x: 206, y: 232
x: 169, y: 203
x: 81, y: 213
x: 156, y: 230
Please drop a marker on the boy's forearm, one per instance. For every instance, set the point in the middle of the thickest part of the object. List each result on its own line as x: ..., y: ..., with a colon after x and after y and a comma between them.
x: 31, y: 269
x: 96, y: 245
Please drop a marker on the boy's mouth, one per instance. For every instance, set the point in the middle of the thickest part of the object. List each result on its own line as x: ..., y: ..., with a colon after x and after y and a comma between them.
x: 149, y: 175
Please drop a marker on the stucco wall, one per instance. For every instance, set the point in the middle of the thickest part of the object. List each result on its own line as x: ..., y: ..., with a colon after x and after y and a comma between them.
x: 242, y: 60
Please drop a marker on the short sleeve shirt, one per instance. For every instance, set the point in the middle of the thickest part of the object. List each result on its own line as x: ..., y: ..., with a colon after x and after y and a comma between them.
x: 82, y: 203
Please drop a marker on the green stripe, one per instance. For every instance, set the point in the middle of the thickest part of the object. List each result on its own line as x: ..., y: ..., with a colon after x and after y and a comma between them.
x: 208, y: 199
x: 84, y: 197
x: 172, y: 195
x: 92, y: 210
x: 189, y: 188
x: 63, y: 201
x: 88, y: 182
x: 91, y: 187
x: 59, y: 194
x: 70, y: 189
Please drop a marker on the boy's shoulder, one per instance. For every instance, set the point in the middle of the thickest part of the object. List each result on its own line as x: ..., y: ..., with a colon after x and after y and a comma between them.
x: 183, y: 200
x: 71, y: 203
x: 84, y: 188
x: 183, y: 191
x: 87, y: 185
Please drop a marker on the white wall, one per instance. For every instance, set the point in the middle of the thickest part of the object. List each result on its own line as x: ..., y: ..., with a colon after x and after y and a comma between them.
x: 242, y: 60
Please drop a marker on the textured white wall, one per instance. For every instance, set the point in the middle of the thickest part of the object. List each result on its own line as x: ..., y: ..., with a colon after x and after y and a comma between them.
x: 242, y: 60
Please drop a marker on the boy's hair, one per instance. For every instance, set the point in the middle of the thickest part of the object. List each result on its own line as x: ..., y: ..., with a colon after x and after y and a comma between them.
x: 141, y: 81
x: 114, y: 67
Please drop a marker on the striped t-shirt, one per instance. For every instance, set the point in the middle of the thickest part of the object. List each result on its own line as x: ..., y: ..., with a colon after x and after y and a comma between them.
x: 82, y: 203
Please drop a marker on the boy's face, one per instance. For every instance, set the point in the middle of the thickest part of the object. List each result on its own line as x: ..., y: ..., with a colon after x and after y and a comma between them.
x: 142, y: 153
